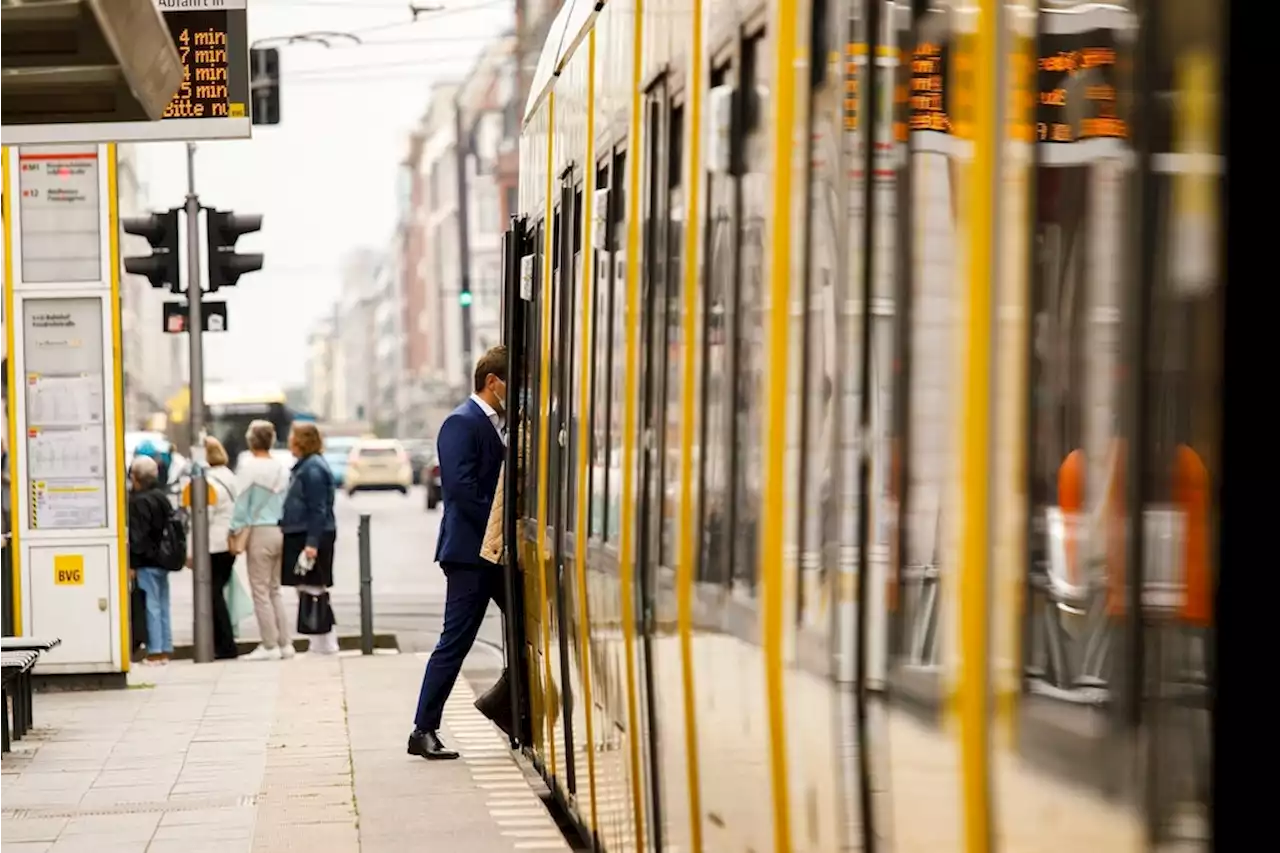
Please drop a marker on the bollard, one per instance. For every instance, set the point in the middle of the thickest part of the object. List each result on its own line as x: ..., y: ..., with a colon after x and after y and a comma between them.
x: 366, y: 589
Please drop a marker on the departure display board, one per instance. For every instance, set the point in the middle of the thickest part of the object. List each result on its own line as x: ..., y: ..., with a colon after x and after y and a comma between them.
x: 202, y: 41
x: 1076, y: 74
x: 930, y: 97
x: 1075, y: 96
x: 212, y: 101
x: 851, y: 52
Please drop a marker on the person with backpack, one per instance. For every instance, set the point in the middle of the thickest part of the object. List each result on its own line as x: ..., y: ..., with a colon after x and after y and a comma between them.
x: 157, y: 547
x: 149, y: 449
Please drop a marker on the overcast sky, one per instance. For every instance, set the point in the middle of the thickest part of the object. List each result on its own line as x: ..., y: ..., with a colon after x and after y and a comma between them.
x: 324, y: 179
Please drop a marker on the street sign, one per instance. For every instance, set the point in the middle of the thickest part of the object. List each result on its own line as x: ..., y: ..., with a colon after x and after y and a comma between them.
x: 212, y: 102
x: 213, y: 319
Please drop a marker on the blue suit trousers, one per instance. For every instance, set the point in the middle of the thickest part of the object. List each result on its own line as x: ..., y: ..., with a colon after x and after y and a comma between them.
x: 470, y: 588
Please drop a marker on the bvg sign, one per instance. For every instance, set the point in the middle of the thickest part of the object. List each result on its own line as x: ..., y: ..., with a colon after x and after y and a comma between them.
x: 68, y: 570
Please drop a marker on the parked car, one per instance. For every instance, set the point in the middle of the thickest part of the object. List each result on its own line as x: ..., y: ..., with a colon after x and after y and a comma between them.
x: 431, y: 479
x: 378, y: 464
x: 420, y: 451
x: 336, y: 452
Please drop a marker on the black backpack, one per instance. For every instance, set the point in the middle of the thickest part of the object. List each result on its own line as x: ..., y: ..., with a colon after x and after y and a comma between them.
x: 171, y: 553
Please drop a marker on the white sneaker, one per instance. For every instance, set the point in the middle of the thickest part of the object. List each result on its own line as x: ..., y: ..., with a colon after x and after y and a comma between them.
x: 287, y: 652
x: 262, y: 653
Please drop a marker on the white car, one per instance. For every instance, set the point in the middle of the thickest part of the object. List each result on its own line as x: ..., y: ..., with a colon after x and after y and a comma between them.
x: 378, y: 464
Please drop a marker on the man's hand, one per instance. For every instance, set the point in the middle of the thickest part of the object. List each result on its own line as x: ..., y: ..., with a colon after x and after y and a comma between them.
x: 310, y: 552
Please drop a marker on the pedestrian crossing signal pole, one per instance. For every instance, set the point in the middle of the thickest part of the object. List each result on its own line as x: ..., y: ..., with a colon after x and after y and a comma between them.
x: 462, y: 149
x: 202, y: 580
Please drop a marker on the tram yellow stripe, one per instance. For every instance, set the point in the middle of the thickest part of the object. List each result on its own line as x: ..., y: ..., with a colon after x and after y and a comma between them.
x: 15, y: 552
x: 684, y: 566
x: 626, y: 550
x: 544, y: 408
x: 117, y: 380
x: 976, y: 65
x: 584, y: 407
x: 772, y: 580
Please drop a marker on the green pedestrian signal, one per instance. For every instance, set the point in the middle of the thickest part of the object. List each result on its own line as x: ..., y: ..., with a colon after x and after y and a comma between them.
x: 465, y: 298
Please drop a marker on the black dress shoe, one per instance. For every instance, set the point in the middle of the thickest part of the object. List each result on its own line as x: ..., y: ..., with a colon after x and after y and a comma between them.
x: 429, y: 746
x: 496, y: 704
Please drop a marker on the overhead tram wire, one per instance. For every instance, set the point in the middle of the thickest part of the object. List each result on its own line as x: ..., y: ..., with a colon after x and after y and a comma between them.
x: 427, y: 10
x: 371, y: 71
x: 335, y: 4
x: 425, y: 69
x: 428, y: 17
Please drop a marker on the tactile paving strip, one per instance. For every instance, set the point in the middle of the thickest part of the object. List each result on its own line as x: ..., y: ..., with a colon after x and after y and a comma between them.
x: 511, y: 797
x: 129, y: 808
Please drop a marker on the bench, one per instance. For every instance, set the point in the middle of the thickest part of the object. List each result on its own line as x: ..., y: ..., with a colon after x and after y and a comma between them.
x: 16, y: 687
x: 18, y: 656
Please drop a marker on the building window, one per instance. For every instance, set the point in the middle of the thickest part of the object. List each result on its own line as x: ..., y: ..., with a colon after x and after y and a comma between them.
x: 487, y: 216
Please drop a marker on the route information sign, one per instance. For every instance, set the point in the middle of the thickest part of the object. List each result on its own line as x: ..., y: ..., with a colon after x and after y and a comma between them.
x: 212, y: 38
x: 59, y: 203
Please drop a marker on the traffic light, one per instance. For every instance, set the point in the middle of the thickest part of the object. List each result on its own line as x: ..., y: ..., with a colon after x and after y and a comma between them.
x: 225, y: 266
x: 464, y: 298
x: 161, y: 231
x: 264, y: 83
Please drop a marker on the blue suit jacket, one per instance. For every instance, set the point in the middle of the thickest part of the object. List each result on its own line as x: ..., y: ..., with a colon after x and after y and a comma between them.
x: 470, y: 454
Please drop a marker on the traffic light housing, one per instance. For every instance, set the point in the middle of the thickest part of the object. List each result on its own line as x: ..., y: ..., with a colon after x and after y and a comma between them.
x: 264, y: 83
x: 161, y: 231
x: 225, y: 264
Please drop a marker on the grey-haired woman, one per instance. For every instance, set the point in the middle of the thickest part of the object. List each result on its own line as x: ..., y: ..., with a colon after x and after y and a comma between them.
x: 261, y: 485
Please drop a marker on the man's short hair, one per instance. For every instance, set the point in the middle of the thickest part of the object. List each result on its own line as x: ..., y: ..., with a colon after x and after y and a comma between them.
x: 144, y: 470
x: 495, y: 362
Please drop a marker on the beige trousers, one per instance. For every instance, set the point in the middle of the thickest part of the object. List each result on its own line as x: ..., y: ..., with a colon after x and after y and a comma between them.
x: 263, y: 554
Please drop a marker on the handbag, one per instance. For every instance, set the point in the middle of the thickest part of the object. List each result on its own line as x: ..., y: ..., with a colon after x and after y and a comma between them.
x: 239, y: 603
x: 315, y: 616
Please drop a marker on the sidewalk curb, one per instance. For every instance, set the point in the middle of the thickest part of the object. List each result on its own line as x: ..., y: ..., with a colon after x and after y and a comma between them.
x: 300, y: 645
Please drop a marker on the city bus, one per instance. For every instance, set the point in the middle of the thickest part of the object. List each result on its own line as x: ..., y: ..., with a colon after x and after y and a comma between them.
x: 230, y: 408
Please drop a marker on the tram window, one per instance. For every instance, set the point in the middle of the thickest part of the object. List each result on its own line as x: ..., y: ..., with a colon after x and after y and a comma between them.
x: 750, y: 338
x: 555, y: 405
x: 720, y: 273
x: 618, y: 334
x: 672, y: 513
x: 533, y: 402
x: 816, y: 512
x: 575, y: 366
x: 601, y: 325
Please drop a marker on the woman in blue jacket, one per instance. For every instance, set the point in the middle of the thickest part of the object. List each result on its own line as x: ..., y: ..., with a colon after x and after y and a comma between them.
x: 309, y: 527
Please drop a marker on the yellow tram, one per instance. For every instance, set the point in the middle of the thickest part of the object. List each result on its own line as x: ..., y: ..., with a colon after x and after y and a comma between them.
x: 833, y: 324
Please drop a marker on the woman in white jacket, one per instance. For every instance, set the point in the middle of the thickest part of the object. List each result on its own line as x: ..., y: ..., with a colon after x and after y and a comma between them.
x: 262, y: 482
x: 222, y: 501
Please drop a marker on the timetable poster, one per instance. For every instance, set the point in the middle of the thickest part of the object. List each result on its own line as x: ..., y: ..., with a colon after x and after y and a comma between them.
x: 65, y: 402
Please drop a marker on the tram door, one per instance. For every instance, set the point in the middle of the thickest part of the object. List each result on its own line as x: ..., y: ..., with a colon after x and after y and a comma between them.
x: 654, y: 439
x: 517, y: 308
x: 566, y: 372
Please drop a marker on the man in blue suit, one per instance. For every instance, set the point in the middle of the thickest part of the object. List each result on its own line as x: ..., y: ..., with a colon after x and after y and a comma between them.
x: 470, y: 446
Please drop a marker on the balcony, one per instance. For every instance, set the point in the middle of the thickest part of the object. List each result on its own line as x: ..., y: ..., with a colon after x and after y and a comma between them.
x: 81, y: 61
